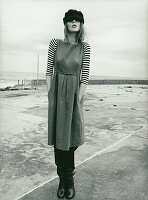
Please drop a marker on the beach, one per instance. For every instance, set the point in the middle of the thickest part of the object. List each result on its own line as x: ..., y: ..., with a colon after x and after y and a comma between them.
x: 111, y: 112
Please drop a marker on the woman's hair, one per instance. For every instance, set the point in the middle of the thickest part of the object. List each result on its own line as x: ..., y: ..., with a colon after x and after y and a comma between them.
x: 80, y: 33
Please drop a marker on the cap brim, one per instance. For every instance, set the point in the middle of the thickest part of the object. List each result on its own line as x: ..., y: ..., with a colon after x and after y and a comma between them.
x: 72, y: 17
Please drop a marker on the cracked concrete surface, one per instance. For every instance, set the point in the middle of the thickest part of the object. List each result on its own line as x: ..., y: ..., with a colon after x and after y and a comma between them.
x: 26, y: 159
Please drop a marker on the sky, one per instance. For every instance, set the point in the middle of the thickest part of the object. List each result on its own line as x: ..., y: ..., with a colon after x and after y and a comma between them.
x: 115, y: 29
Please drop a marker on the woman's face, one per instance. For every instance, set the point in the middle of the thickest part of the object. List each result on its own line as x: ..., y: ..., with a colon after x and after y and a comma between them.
x: 73, y: 26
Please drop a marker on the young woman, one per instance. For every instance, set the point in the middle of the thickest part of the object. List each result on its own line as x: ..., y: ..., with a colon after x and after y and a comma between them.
x: 70, y: 59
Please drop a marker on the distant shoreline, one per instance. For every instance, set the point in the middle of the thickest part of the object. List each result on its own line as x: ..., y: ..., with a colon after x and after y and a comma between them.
x: 41, y: 82
x: 26, y: 80
x: 116, y: 82
x: 101, y: 82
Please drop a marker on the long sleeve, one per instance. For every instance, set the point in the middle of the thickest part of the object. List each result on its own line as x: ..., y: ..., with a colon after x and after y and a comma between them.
x: 50, y: 60
x: 85, y: 64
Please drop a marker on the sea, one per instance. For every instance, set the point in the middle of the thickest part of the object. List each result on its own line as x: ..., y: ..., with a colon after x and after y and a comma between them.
x: 11, y: 78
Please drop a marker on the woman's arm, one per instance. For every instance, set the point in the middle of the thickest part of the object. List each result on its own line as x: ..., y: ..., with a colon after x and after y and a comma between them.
x: 85, y: 70
x: 50, y: 62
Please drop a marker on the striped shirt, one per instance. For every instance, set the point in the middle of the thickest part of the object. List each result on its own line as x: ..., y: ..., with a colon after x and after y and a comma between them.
x: 85, y: 60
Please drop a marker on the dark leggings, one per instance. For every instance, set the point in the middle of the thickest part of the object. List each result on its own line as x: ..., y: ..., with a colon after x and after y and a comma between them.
x: 64, y: 159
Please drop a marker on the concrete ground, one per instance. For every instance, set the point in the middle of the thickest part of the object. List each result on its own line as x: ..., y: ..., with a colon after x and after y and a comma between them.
x: 115, y: 126
x: 118, y: 173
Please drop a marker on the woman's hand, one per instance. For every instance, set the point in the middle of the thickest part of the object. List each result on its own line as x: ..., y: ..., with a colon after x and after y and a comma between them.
x: 80, y: 96
x: 81, y: 91
x: 48, y: 83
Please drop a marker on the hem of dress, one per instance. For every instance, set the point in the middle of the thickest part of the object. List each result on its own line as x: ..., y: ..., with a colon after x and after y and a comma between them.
x: 65, y: 149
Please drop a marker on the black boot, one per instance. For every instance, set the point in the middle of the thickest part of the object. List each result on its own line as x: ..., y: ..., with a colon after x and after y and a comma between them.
x: 61, y: 188
x: 70, y: 190
x: 65, y: 170
x: 69, y: 173
x: 60, y: 171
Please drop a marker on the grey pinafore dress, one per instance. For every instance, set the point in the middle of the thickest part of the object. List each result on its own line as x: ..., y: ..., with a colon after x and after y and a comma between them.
x: 65, y: 111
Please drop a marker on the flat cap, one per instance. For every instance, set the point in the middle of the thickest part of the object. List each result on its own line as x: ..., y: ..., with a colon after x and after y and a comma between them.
x: 73, y: 14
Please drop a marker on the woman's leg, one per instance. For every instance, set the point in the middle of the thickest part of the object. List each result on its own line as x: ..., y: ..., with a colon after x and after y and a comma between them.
x: 59, y: 161
x: 65, y: 170
x: 69, y: 174
x: 73, y: 148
